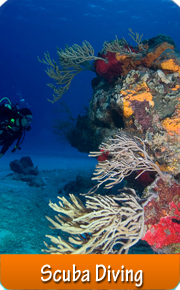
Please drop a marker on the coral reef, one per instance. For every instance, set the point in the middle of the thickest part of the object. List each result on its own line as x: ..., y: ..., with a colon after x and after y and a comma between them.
x: 145, y: 102
x: 122, y: 58
x: 141, y: 96
x: 137, y: 97
x: 106, y: 224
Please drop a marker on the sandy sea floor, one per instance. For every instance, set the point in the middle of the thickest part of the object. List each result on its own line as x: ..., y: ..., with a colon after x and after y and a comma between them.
x: 23, y: 208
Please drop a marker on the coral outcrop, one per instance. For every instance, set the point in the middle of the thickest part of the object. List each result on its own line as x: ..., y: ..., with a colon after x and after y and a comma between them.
x: 144, y: 101
x: 24, y: 170
x: 137, y: 94
x: 121, y: 58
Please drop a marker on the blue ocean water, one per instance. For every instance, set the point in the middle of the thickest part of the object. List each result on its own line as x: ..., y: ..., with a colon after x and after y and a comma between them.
x: 28, y: 28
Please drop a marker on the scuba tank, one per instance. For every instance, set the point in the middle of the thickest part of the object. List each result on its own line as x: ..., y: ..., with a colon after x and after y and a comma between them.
x: 15, y: 108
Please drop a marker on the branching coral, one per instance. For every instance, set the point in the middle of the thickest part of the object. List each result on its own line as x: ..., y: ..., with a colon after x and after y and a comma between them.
x: 126, y: 154
x: 73, y: 59
x: 106, y: 225
x: 119, y: 46
x: 120, y: 59
x: 76, y: 54
x: 122, y: 46
x: 137, y: 38
x: 115, y: 46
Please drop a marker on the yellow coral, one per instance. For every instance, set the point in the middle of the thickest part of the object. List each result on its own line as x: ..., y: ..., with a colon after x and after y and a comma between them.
x: 166, y: 168
x: 128, y: 111
x: 142, y: 86
x: 176, y: 88
x: 163, y: 167
x: 152, y: 56
x: 172, y: 124
x: 129, y: 62
x: 170, y: 66
x: 121, y: 57
x: 131, y: 95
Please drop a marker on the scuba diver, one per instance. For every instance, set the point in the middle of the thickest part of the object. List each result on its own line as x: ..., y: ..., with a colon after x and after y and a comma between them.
x: 13, y: 124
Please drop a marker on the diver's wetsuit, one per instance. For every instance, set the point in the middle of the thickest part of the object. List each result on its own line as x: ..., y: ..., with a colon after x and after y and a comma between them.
x: 9, y: 131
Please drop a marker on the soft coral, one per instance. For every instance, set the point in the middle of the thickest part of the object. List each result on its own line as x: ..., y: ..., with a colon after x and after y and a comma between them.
x: 109, y: 69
